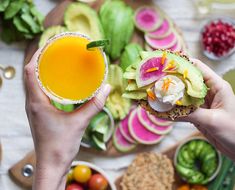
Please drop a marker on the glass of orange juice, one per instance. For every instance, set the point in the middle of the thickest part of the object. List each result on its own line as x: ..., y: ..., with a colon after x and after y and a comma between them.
x: 69, y: 73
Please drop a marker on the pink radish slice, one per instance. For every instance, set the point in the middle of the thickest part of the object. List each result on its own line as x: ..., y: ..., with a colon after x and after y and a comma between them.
x: 158, y: 121
x: 147, y: 19
x: 145, y: 78
x: 125, y: 130
x: 140, y: 133
x: 177, y: 47
x: 120, y: 143
x: 149, y: 125
x: 163, y: 31
x: 164, y: 43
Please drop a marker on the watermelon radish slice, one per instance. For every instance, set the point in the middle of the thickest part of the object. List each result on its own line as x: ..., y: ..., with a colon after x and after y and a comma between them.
x: 163, y: 31
x: 143, y: 77
x: 125, y: 130
x: 140, y: 133
x: 147, y: 19
x: 158, y: 121
x: 177, y: 47
x: 164, y: 43
x: 149, y: 125
x: 120, y: 143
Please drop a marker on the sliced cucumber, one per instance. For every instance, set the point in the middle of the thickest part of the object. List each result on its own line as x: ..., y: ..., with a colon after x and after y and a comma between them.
x: 65, y: 108
x: 99, y: 144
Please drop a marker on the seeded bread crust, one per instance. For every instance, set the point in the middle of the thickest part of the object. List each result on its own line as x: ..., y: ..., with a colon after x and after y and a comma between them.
x: 176, y: 112
x: 149, y: 171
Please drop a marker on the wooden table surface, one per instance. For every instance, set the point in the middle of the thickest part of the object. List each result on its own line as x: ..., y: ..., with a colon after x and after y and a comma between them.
x: 14, y: 130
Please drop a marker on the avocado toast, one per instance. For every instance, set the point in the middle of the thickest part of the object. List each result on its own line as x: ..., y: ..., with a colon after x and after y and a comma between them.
x: 166, y: 84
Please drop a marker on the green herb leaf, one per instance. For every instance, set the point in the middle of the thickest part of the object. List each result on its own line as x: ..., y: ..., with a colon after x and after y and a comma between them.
x: 25, y: 8
x: 21, y: 25
x: 98, y: 43
x: 35, y: 28
x: 13, y: 9
x: 9, y: 32
x: 39, y: 17
x: 4, y: 4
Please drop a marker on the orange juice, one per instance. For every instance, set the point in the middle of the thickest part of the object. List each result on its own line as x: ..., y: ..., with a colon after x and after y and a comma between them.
x: 68, y: 72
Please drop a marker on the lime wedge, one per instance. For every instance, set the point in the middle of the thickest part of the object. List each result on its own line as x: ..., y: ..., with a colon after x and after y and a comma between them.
x: 98, y: 43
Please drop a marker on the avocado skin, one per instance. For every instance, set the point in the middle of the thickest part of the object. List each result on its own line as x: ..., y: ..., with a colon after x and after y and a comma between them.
x: 118, y: 24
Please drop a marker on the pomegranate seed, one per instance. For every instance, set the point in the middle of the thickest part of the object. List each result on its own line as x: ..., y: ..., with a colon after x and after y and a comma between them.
x: 218, y: 38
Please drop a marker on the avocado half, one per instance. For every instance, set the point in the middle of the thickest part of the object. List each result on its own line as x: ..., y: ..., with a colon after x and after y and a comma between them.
x: 195, y: 91
x: 81, y: 18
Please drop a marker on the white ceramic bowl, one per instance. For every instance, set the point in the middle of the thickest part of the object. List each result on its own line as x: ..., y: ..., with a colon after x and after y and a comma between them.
x: 211, y: 55
x: 199, y: 138
x: 96, y: 169
x: 111, y: 129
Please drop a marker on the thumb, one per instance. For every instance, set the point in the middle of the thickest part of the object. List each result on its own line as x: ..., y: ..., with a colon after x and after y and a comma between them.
x: 95, y: 105
x: 200, y: 116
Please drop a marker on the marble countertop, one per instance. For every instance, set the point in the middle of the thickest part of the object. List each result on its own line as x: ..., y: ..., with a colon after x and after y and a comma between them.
x: 14, y: 129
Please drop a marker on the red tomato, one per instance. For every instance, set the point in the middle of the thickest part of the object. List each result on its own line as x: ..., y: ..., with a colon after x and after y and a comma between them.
x: 98, y: 182
x: 74, y: 186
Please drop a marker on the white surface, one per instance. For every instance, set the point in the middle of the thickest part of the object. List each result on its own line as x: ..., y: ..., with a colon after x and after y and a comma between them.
x: 14, y: 130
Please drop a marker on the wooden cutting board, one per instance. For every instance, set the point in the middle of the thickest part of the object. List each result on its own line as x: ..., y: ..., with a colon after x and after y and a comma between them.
x: 22, y: 172
x: 55, y: 17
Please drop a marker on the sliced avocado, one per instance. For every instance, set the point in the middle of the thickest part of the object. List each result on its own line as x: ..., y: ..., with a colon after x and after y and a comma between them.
x: 118, y: 106
x: 132, y: 68
x: 136, y: 95
x: 49, y: 33
x: 188, y: 100
x: 129, y: 75
x: 130, y: 55
x: 81, y: 18
x: 133, y: 86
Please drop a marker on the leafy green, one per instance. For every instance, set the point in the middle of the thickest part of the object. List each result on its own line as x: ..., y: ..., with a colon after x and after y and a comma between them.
x: 21, y: 25
x: 20, y: 20
x: 38, y: 16
x: 28, y: 18
x: 9, y: 33
x: 13, y: 8
x: 4, y: 4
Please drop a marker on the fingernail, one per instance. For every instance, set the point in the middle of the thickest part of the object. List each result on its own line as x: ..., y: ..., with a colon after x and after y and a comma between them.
x: 107, y: 89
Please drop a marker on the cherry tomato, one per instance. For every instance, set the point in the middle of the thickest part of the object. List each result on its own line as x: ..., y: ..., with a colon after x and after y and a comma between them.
x: 81, y: 173
x: 74, y: 186
x: 98, y: 182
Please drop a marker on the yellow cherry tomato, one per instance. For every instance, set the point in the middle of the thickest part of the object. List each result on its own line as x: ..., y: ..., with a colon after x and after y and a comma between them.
x: 82, y: 173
